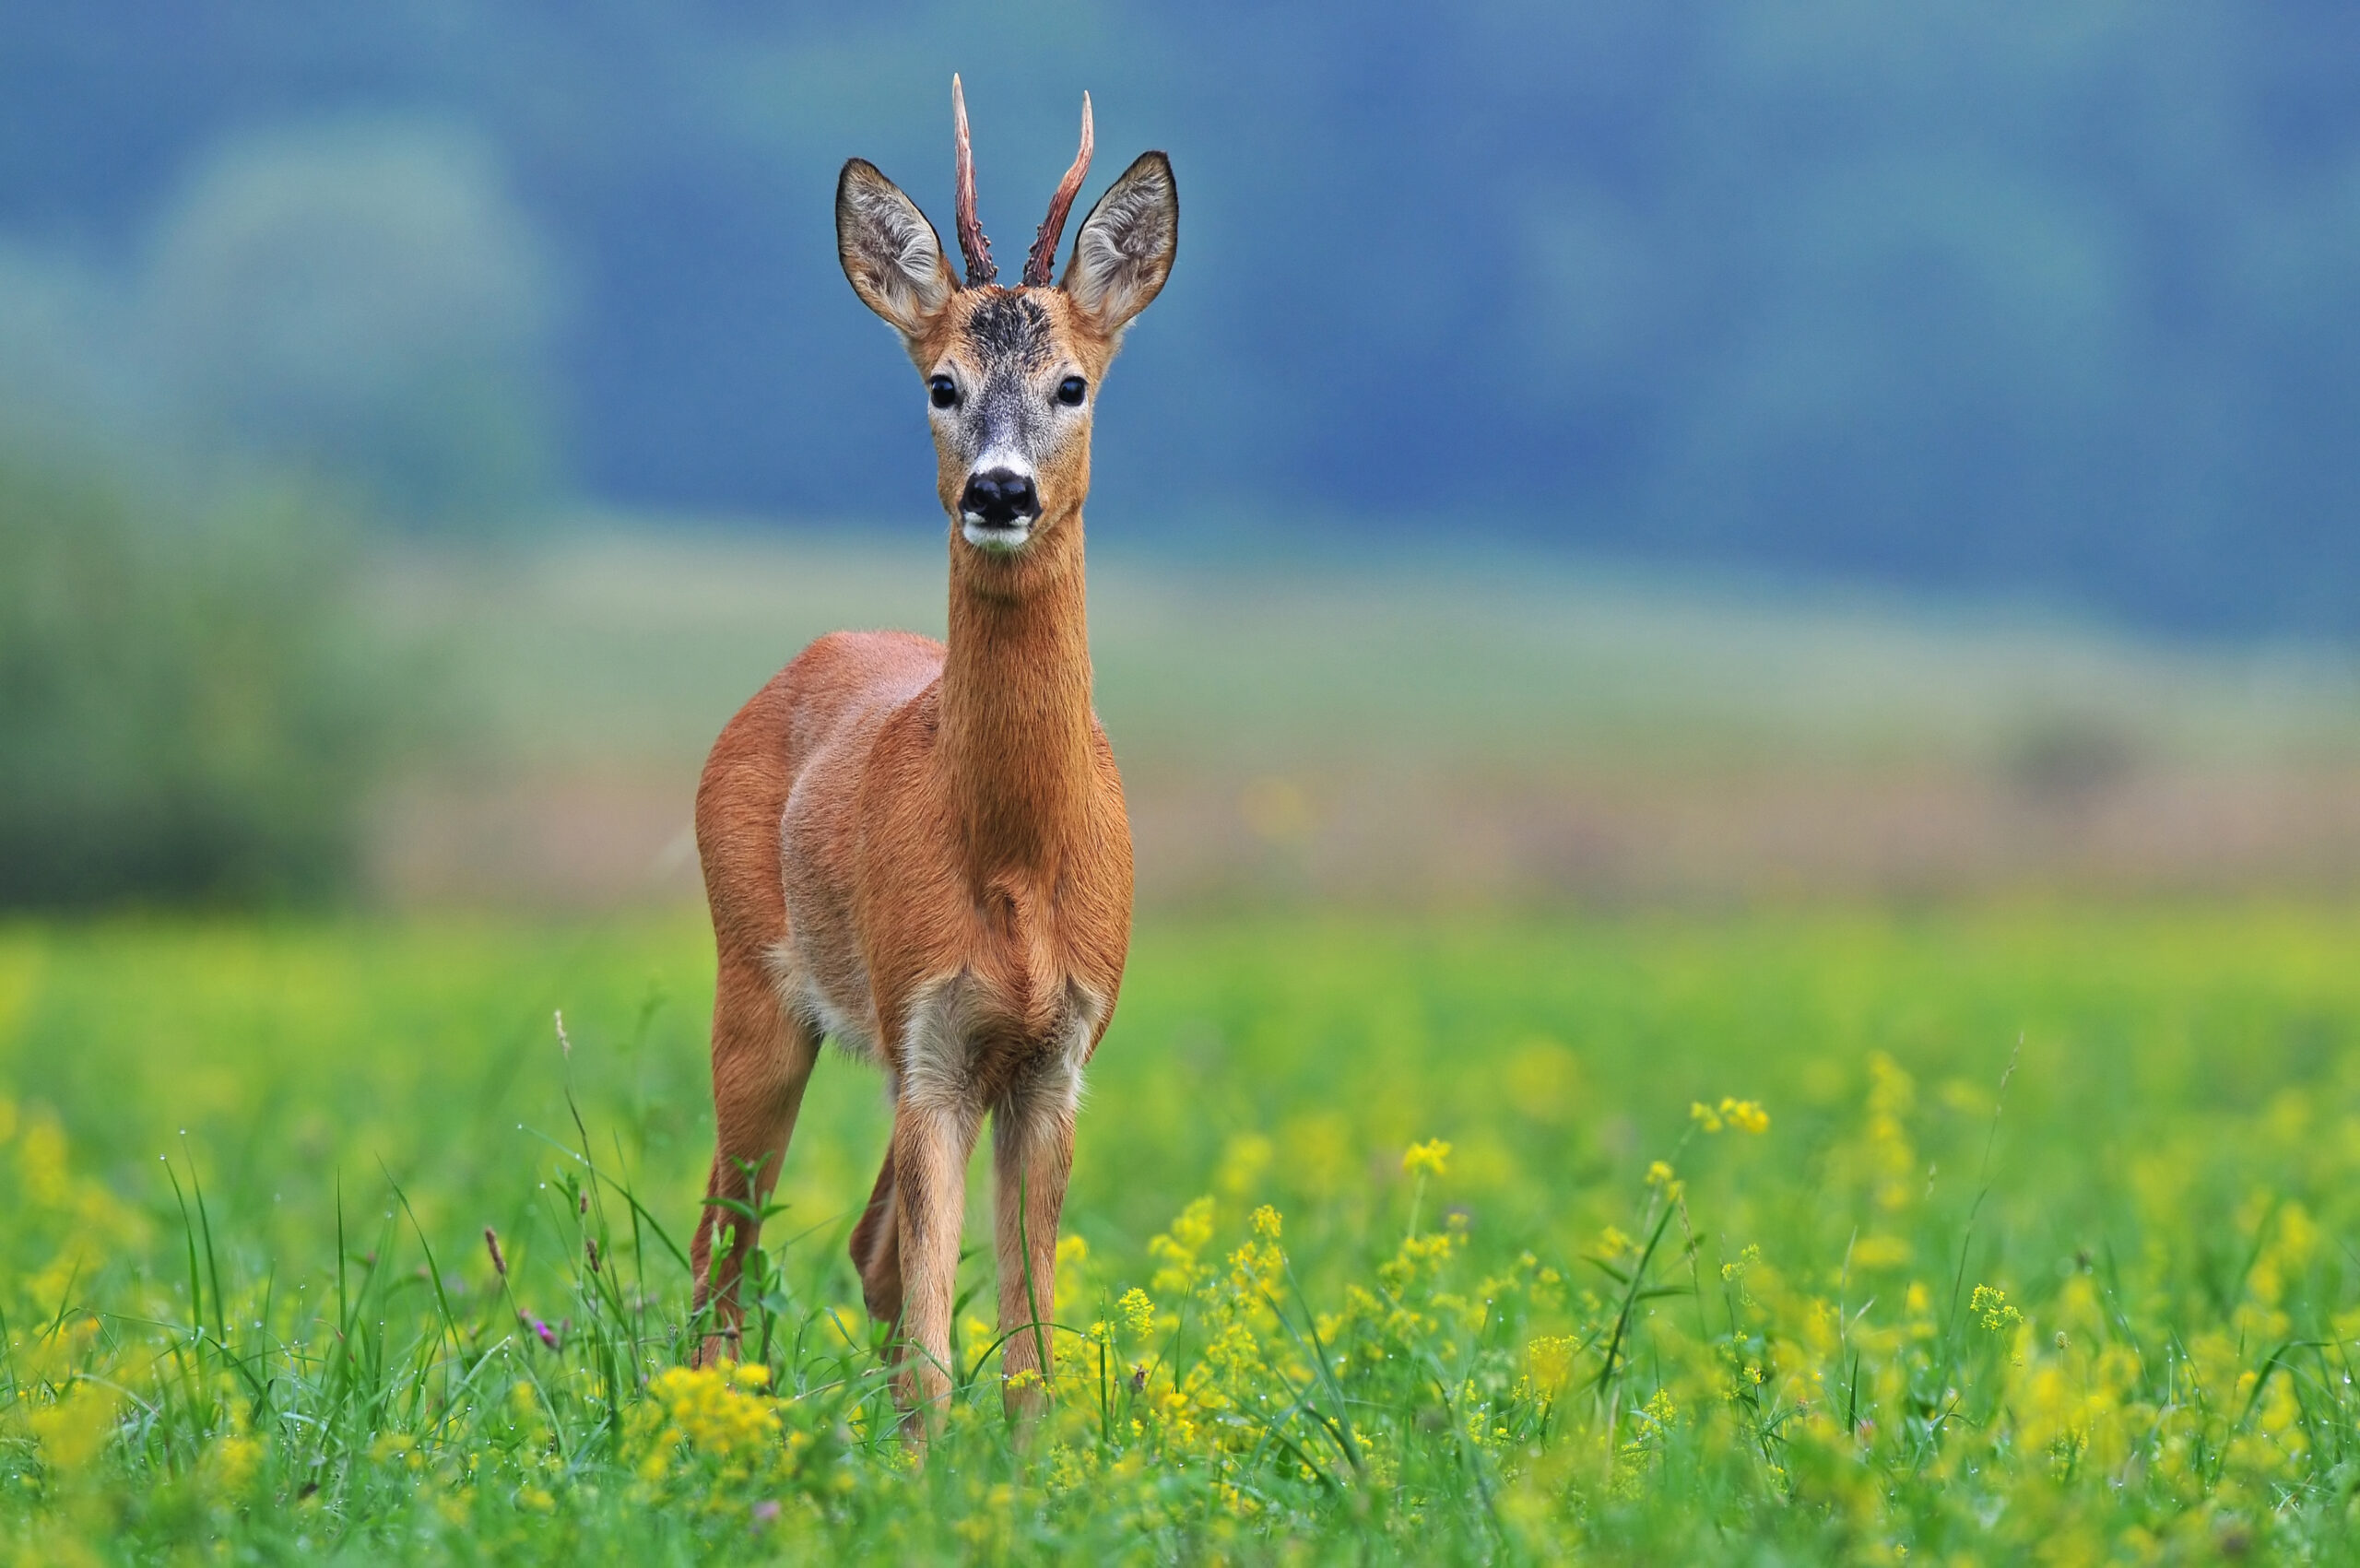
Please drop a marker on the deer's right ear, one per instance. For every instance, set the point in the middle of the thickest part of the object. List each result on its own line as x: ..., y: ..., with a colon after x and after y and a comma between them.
x: 890, y: 252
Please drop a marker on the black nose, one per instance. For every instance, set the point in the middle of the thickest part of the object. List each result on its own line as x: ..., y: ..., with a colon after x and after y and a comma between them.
x: 1001, y: 497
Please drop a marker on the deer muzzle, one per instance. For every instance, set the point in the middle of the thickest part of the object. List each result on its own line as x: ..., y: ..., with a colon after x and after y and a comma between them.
x: 998, y: 507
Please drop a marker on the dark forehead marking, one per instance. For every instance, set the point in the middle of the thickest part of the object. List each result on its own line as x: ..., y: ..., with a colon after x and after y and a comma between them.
x: 1010, y: 327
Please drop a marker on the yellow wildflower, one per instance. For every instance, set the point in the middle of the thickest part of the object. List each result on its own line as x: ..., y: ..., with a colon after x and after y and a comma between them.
x: 1177, y: 1249
x: 1992, y: 1307
x: 1248, y: 1156
x: 1880, y: 1252
x: 1746, y: 1115
x: 1426, y: 1158
x: 73, y: 1431
x: 1742, y: 1115
x: 715, y: 1415
x: 1552, y: 1360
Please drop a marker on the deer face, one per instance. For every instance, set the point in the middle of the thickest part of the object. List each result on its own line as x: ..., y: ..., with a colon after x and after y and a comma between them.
x: 1010, y: 375
x: 1009, y: 379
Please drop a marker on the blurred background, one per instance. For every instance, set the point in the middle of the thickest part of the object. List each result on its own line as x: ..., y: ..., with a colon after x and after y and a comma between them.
x: 1593, y: 454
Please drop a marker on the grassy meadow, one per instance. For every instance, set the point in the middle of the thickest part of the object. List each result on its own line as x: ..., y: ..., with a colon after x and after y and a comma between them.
x: 1609, y: 1070
x: 2010, y: 1230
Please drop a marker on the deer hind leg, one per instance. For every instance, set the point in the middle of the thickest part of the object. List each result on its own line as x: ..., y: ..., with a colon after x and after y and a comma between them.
x: 761, y: 1060
x: 1032, y: 1159
x: 876, y: 1248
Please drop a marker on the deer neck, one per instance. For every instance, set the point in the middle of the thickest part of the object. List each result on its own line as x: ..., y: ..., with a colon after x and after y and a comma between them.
x: 1015, y: 718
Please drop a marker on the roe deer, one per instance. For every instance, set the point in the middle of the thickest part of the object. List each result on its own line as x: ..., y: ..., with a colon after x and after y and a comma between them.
x: 921, y: 849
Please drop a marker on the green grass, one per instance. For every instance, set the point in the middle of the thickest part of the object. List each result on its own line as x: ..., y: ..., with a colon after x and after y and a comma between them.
x: 251, y: 1315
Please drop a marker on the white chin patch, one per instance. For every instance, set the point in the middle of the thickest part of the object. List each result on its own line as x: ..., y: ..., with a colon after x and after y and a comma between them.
x: 984, y: 537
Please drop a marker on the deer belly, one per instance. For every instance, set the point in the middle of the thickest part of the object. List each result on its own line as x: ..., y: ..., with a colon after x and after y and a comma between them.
x: 827, y: 985
x: 820, y: 968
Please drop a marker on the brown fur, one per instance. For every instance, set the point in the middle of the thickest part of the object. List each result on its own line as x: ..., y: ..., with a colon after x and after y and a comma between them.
x: 947, y: 823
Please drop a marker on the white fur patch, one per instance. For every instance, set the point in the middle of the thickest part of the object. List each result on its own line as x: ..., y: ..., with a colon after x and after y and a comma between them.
x: 938, y: 1046
x: 999, y: 541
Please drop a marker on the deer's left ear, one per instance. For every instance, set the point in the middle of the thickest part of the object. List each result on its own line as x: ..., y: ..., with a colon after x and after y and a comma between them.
x: 890, y: 252
x: 1125, y: 250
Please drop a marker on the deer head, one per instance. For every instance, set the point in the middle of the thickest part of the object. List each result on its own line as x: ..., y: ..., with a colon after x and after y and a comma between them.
x: 1010, y: 375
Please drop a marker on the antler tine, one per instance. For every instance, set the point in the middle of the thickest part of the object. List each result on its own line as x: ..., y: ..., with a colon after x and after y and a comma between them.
x: 1044, y: 259
x: 972, y: 242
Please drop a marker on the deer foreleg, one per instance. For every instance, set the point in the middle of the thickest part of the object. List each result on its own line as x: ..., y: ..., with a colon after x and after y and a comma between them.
x: 931, y: 1143
x: 1032, y: 1158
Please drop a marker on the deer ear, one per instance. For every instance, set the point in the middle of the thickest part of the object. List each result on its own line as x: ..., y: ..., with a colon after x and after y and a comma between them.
x: 1124, y: 252
x: 890, y: 252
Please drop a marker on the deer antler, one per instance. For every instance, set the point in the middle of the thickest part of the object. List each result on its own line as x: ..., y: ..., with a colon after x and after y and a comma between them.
x: 971, y: 241
x: 1044, y: 259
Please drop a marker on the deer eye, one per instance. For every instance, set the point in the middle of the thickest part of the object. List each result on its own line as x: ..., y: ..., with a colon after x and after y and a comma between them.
x: 942, y: 391
x: 1069, y: 391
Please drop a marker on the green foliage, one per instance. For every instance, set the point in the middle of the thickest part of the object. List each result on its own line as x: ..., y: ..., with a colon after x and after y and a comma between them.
x: 1790, y: 1238
x: 186, y: 708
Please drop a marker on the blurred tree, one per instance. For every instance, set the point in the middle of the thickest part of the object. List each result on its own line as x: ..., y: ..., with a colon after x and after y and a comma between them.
x: 363, y: 299
x: 2046, y: 296
x: 186, y: 712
